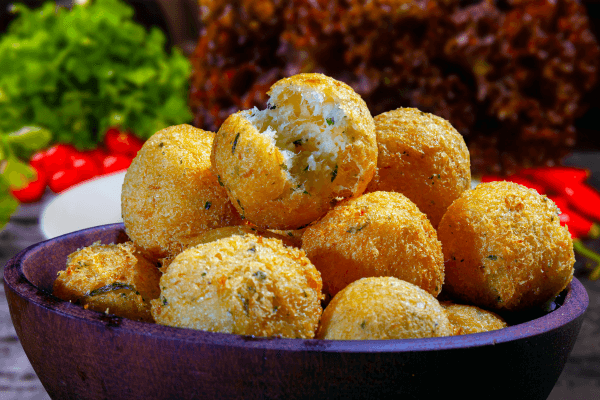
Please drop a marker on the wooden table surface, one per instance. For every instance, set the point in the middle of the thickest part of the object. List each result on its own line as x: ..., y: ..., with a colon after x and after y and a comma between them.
x: 580, y: 378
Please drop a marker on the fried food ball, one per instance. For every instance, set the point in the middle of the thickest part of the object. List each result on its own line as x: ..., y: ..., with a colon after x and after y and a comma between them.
x: 467, y: 319
x: 226, y: 231
x: 376, y: 234
x: 383, y: 308
x: 169, y: 194
x: 246, y: 285
x: 112, y: 278
x: 423, y: 157
x: 504, y: 248
x: 283, y: 166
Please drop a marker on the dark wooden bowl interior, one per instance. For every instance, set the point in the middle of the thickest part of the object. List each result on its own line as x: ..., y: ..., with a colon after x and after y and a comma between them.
x: 80, y: 353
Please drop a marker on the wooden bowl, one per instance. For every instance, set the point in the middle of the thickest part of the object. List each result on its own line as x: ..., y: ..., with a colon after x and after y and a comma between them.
x: 82, y: 354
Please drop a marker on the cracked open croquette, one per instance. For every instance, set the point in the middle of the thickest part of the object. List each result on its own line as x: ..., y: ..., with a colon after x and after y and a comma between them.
x: 169, y: 194
x: 383, y: 308
x: 376, y: 234
x: 246, y: 285
x: 284, y: 166
x: 504, y: 248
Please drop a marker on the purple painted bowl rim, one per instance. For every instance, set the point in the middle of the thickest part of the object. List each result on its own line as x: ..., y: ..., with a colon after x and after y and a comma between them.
x: 575, y: 303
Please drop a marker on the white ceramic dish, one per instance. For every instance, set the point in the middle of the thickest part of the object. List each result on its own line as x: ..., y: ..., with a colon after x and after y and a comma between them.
x: 91, y: 203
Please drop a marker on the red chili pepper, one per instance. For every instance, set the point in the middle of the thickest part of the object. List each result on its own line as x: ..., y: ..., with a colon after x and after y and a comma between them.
x: 135, y: 144
x: 517, y: 179
x: 37, y: 160
x: 62, y: 180
x: 561, y: 173
x: 118, y: 142
x: 98, y: 154
x: 57, y: 157
x: 579, y: 226
x: 115, y: 162
x: 84, y: 165
x: 34, y: 190
x: 580, y: 196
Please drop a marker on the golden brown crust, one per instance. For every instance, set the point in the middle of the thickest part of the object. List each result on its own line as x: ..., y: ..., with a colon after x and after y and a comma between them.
x: 169, y: 194
x: 467, y: 319
x: 112, y: 278
x: 383, y: 308
x: 376, y: 234
x: 284, y: 166
x: 423, y: 157
x: 246, y: 285
x: 504, y: 247
x: 227, y: 231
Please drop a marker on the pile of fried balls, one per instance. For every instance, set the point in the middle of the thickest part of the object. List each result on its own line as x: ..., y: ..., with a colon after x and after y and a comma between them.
x: 313, y: 219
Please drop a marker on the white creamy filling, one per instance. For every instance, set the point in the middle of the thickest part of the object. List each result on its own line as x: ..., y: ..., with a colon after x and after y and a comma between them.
x: 306, y: 126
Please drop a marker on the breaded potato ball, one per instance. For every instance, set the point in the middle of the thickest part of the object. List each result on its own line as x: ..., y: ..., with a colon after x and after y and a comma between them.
x: 467, y: 319
x: 112, y: 278
x: 383, y: 308
x: 283, y: 166
x: 226, y: 231
x: 423, y: 157
x: 170, y: 194
x: 246, y: 285
x: 376, y: 234
x: 504, y: 248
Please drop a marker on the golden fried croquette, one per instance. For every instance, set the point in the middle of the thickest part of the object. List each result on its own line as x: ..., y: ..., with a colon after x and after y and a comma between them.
x: 246, y: 285
x: 423, y: 157
x: 226, y: 231
x: 283, y: 166
x: 383, y: 308
x: 467, y: 319
x: 113, y: 278
x: 169, y: 194
x: 504, y: 248
x: 376, y: 234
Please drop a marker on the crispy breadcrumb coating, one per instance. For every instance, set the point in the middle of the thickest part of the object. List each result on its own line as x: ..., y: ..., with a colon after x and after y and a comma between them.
x: 466, y: 319
x: 246, y: 285
x: 376, y: 234
x: 504, y: 248
x: 423, y: 157
x: 113, y: 278
x: 170, y: 195
x: 283, y: 166
x: 226, y: 231
x: 383, y: 308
